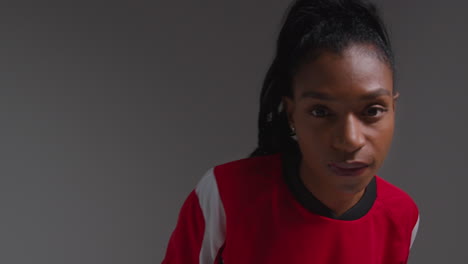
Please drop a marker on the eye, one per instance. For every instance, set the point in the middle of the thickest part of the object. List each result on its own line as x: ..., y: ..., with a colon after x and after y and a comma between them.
x: 319, y: 111
x: 375, y: 111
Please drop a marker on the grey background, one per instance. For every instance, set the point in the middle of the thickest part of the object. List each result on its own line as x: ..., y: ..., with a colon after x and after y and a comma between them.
x: 112, y: 111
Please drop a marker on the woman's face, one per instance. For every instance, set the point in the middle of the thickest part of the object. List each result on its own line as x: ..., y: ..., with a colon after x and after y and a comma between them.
x: 343, y: 113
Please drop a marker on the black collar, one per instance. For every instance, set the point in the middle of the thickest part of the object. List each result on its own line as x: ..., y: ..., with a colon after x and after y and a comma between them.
x: 291, y: 161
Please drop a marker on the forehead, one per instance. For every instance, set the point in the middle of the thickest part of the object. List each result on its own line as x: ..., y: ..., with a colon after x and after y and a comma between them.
x: 355, y: 71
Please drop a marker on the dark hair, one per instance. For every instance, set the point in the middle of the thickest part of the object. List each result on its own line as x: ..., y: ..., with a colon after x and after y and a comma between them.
x: 311, y: 27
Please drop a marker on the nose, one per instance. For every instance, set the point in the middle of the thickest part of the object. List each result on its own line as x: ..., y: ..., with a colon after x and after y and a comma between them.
x: 349, y: 136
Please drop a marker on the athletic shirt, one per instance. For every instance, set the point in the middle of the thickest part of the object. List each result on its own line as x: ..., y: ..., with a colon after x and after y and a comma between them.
x: 257, y: 210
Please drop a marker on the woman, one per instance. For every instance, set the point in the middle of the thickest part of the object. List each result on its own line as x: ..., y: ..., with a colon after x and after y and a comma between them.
x: 309, y: 193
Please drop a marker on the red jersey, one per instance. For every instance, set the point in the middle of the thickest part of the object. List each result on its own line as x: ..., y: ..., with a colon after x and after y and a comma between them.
x: 257, y: 210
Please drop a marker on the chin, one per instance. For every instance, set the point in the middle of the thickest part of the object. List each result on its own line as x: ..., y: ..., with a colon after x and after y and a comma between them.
x: 352, y: 188
x: 353, y: 184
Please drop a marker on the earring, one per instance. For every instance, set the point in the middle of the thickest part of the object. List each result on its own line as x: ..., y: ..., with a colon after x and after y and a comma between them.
x: 293, y: 132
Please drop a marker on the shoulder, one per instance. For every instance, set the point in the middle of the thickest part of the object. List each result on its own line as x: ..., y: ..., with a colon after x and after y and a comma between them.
x: 397, y: 203
x: 248, y: 173
x: 240, y: 181
x: 244, y: 168
x: 392, y: 195
x: 225, y: 190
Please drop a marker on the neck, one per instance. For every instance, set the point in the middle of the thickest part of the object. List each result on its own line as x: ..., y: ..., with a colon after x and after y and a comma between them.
x: 336, y: 200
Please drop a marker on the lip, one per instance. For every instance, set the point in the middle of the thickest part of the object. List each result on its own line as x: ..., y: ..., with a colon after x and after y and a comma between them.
x: 355, y: 168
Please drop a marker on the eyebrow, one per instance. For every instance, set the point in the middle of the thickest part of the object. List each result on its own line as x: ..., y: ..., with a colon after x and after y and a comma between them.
x: 323, y: 96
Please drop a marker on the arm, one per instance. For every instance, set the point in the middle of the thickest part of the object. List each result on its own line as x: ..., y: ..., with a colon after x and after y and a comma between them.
x: 200, y: 230
x: 186, y: 240
x: 414, y: 232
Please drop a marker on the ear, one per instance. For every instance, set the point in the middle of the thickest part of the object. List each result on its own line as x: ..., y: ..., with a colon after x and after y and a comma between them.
x: 288, y: 105
x: 395, y: 98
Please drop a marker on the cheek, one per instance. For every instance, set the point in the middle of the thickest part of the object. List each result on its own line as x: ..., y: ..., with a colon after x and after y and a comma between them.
x: 381, y: 138
x: 313, y: 140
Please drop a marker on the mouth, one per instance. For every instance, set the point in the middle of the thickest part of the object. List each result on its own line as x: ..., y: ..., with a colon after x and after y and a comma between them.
x: 354, y: 168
